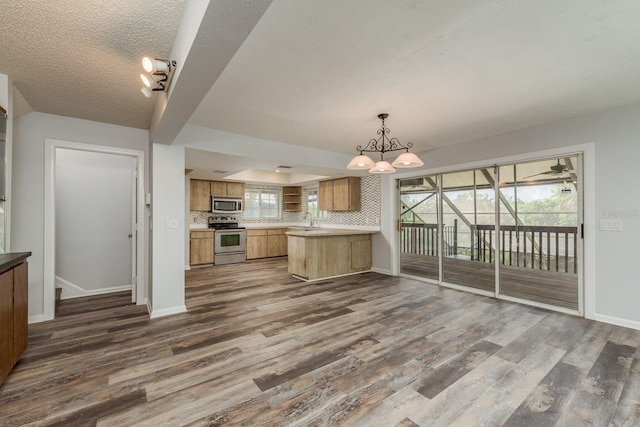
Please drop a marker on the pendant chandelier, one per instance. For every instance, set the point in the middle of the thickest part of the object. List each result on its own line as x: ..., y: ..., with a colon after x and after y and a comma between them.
x: 384, y: 144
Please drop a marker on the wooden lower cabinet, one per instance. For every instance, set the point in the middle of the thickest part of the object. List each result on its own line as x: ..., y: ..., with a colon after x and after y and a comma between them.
x: 265, y: 243
x: 317, y: 257
x: 201, y: 247
x: 276, y: 242
x: 257, y: 244
x: 13, y: 317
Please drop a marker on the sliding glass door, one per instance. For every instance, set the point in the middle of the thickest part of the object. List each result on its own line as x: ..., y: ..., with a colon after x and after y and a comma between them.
x: 509, y: 230
x: 468, y: 213
x: 419, y: 230
x: 539, y: 232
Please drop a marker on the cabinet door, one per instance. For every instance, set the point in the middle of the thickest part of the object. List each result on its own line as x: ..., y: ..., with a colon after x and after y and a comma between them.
x: 6, y: 323
x: 200, y: 195
x: 341, y: 194
x: 218, y: 188
x: 201, y: 250
x: 235, y: 189
x: 325, y: 196
x: 277, y: 245
x: 257, y: 246
x: 20, y: 310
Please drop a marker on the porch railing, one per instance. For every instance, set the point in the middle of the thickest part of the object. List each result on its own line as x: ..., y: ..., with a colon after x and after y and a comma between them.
x: 422, y: 239
x: 536, y: 247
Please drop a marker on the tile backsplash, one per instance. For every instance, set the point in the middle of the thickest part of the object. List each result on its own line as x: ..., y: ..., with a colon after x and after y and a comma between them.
x: 368, y: 215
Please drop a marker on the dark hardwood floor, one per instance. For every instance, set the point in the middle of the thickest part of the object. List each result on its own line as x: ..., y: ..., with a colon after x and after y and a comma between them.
x: 258, y: 347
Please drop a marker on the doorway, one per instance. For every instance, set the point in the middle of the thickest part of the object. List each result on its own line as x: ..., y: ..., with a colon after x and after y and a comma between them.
x: 98, y: 275
x: 512, y: 231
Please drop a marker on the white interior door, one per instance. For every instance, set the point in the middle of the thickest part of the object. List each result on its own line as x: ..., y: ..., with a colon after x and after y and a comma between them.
x: 93, y: 204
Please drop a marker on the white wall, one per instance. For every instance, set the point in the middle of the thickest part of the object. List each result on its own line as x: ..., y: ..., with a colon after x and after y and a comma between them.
x: 6, y: 101
x: 168, y: 230
x: 27, y: 226
x: 93, y: 197
x: 615, y: 135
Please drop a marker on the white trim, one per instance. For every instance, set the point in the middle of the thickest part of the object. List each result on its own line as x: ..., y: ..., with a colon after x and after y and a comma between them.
x: 51, y: 145
x: 469, y: 289
x: 540, y: 305
x: 382, y: 271
x: 187, y: 267
x: 589, y: 217
x: 421, y: 279
x: 168, y: 311
x: 75, y: 291
x: 330, y: 277
x: 149, y: 306
x: 617, y: 321
x: 36, y: 318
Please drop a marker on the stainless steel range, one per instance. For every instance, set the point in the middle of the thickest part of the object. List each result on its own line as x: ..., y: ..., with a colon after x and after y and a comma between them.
x: 230, y: 241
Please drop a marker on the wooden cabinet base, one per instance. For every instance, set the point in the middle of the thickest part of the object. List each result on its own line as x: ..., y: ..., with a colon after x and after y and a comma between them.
x: 13, y: 317
x: 318, y: 257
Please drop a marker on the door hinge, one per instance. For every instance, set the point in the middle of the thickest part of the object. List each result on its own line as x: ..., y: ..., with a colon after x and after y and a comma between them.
x: 134, y: 280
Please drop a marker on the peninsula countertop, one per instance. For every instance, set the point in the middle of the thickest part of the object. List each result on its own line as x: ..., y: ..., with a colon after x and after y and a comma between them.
x: 327, y: 232
x: 12, y: 259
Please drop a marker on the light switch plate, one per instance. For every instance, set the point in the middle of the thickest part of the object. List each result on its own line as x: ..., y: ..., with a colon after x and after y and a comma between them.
x: 171, y: 224
x: 611, y: 225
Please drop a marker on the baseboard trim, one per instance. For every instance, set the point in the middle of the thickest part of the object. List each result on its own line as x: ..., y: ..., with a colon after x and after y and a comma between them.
x: 329, y: 277
x: 70, y: 291
x: 37, y: 318
x: 187, y: 267
x: 382, y: 271
x: 617, y: 321
x: 168, y: 311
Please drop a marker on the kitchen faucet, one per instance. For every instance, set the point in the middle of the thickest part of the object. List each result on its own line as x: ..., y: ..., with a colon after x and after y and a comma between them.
x: 310, y: 218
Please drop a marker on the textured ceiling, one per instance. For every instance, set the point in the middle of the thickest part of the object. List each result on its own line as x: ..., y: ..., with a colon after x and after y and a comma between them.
x: 317, y: 73
x: 82, y: 58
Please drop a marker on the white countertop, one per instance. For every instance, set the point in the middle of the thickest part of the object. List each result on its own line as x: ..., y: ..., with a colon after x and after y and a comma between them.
x: 296, y: 224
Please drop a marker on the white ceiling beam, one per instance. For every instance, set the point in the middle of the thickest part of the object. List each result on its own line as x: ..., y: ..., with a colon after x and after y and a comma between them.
x: 210, y: 34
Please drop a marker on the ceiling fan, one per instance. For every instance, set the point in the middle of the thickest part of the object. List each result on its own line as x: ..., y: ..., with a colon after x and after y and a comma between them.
x: 556, y: 169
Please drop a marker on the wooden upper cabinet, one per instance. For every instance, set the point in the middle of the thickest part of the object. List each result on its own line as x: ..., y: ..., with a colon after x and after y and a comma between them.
x: 235, y: 189
x: 218, y: 188
x: 325, y: 196
x: 200, y: 195
x: 229, y: 189
x: 342, y: 194
x: 202, y: 190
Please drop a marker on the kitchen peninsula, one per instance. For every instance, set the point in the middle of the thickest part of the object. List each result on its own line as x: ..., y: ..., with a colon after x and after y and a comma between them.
x: 319, y: 253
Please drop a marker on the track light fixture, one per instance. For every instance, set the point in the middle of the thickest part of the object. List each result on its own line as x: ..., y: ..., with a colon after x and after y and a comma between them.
x: 157, y: 75
x: 384, y: 144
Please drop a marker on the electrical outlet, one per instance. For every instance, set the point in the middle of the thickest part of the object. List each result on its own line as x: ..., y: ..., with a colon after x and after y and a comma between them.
x: 611, y: 225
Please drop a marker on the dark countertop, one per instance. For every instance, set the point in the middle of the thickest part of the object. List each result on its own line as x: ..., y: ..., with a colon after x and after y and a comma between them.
x: 12, y: 259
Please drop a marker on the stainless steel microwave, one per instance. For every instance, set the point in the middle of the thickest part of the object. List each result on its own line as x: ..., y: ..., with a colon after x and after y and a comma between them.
x: 226, y: 204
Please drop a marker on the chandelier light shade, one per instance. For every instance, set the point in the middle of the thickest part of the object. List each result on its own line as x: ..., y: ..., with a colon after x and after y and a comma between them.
x: 407, y: 160
x: 384, y: 144
x: 157, y: 75
x: 361, y: 162
x: 382, y: 167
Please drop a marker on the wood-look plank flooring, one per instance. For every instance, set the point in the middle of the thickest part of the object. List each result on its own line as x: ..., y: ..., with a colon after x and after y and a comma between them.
x: 258, y: 347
